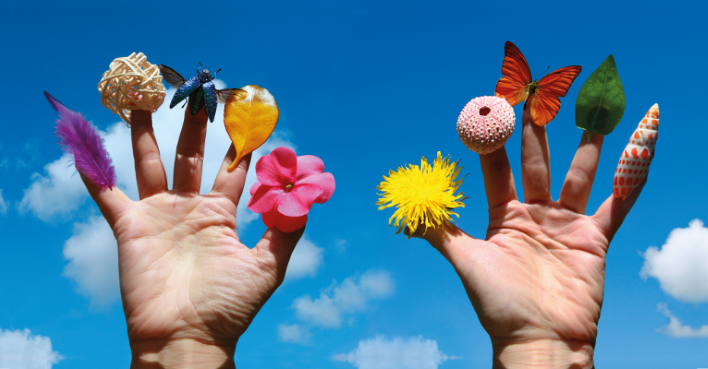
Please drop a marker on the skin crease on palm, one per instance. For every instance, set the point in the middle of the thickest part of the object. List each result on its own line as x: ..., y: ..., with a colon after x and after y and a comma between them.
x: 190, y: 288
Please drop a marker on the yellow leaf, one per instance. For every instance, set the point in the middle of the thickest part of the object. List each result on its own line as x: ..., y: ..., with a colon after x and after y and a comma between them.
x: 250, y: 120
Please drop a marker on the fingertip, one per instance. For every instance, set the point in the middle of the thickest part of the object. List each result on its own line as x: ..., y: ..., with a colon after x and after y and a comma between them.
x: 231, y: 183
x: 614, y: 210
x: 110, y: 201
x: 526, y: 116
x: 244, y: 163
x: 140, y: 117
x: 435, y: 236
x: 280, y: 244
x: 199, y: 118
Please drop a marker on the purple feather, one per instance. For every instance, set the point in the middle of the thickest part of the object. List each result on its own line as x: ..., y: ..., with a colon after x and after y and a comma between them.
x: 78, y: 137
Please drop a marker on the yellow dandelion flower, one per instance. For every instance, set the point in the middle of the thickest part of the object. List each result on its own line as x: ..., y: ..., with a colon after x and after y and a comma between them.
x: 422, y: 195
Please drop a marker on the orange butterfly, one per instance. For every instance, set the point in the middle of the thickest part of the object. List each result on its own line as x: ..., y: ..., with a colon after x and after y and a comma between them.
x: 542, y: 96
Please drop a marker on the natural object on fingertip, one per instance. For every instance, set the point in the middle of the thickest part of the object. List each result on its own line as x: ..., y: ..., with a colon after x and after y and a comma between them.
x: 486, y: 123
x: 541, y: 96
x: 600, y: 104
x: 424, y: 196
x: 250, y: 120
x: 636, y: 158
x: 287, y: 187
x: 200, y: 91
x: 131, y: 83
x: 81, y: 139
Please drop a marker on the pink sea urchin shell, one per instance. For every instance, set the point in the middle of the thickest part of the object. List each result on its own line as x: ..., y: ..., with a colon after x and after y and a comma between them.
x: 486, y: 123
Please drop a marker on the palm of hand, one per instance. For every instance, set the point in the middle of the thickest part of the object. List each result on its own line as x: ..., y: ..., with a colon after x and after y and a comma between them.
x: 185, y: 274
x: 190, y: 288
x: 538, y: 278
x: 539, y: 275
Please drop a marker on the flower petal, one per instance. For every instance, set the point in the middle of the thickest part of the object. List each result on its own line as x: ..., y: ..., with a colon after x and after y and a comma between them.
x: 265, y: 199
x: 254, y: 188
x: 326, y: 183
x: 277, y: 168
x: 299, y: 201
x: 270, y: 218
x: 283, y: 223
x: 308, y: 165
x: 289, y: 224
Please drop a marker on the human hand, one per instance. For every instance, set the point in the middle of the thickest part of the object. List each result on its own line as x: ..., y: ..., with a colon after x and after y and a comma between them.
x: 189, y: 287
x: 537, y: 281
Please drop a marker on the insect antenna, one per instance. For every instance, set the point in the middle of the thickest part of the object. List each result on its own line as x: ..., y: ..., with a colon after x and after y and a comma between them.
x: 217, y: 72
x: 534, y: 71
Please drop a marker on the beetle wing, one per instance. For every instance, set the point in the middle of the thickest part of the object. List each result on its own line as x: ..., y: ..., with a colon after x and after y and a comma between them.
x: 185, y: 90
x: 228, y: 92
x: 170, y: 76
x: 210, y: 99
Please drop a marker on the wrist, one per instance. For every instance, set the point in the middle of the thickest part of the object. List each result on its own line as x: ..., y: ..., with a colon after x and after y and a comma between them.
x: 181, y: 353
x: 544, y: 353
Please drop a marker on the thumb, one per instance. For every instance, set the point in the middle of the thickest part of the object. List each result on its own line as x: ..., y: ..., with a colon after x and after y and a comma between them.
x: 112, y: 202
x: 276, y: 247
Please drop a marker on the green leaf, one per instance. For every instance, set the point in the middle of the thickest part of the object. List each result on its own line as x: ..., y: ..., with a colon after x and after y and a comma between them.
x: 600, y: 104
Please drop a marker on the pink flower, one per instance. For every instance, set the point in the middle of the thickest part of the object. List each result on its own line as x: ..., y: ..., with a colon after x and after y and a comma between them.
x: 287, y: 187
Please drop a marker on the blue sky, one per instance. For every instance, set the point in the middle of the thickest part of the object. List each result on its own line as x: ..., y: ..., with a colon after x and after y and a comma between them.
x: 368, y: 87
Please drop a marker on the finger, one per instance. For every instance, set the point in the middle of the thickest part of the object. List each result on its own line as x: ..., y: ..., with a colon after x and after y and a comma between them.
x: 189, y: 155
x: 149, y: 170
x: 498, y: 179
x: 112, y: 202
x: 581, y: 175
x: 611, y: 214
x: 450, y: 241
x: 275, y: 249
x: 535, y: 161
x: 438, y: 237
x: 230, y: 183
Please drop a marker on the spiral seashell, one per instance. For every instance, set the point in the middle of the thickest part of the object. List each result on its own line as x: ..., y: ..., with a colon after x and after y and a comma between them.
x: 486, y: 123
x: 637, y: 156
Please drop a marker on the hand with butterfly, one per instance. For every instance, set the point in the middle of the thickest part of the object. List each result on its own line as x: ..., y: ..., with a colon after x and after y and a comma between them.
x: 536, y: 280
x: 189, y: 287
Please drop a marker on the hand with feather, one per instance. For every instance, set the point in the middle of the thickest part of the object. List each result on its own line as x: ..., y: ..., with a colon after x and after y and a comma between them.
x: 189, y: 287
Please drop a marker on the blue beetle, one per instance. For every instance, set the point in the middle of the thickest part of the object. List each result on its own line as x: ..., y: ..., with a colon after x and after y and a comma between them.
x: 200, y: 90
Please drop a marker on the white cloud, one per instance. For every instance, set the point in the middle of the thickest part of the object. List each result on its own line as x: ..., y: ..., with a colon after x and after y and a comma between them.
x: 59, y: 191
x: 93, y: 261
x: 3, y: 205
x: 676, y: 329
x: 21, y: 350
x: 397, y: 353
x: 351, y: 296
x: 294, y: 333
x: 28, y: 155
x: 681, y: 266
x: 305, y: 261
x: 341, y: 245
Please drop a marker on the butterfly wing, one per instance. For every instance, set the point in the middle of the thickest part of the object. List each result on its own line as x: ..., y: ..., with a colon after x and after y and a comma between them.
x: 545, y: 102
x: 514, y: 86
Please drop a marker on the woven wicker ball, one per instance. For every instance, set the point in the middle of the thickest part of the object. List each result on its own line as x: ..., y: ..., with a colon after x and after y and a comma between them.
x: 486, y: 123
x: 131, y: 83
